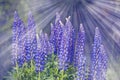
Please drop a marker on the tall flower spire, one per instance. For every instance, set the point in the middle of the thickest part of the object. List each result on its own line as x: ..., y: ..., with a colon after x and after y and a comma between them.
x: 41, y: 55
x: 71, y: 39
x: 18, y: 37
x: 15, y: 36
x: 38, y: 57
x: 96, y: 56
x: 104, y: 62
x: 80, y: 59
x: 56, y: 33
x: 52, y: 39
x: 31, y: 42
x: 64, y: 48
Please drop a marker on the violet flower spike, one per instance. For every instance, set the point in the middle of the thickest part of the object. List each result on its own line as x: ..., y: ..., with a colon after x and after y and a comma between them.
x: 64, y: 49
x: 41, y: 55
x: 31, y: 42
x: 18, y: 37
x: 37, y: 57
x: 71, y: 40
x: 52, y: 39
x: 104, y: 62
x: 80, y: 58
x: 15, y: 38
x: 57, y: 33
x: 96, y: 56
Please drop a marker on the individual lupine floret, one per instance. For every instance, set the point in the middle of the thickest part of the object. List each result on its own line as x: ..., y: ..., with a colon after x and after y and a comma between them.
x: 31, y: 42
x: 79, y: 58
x: 18, y: 37
x: 56, y: 34
x: 71, y: 40
x: 64, y: 48
x: 96, y: 56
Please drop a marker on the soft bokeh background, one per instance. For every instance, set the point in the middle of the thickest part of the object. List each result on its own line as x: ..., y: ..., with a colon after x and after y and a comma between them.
x: 104, y: 14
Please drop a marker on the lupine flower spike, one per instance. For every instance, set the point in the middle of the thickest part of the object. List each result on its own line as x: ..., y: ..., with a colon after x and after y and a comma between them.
x: 104, y: 62
x: 71, y: 39
x: 64, y: 48
x: 42, y: 50
x: 96, y: 56
x: 57, y: 33
x: 18, y: 37
x: 37, y: 57
x: 79, y: 54
x: 31, y: 42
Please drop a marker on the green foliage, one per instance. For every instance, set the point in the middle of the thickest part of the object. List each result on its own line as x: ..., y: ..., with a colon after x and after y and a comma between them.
x: 51, y: 71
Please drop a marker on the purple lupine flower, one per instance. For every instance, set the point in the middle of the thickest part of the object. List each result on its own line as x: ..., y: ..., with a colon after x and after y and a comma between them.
x: 15, y: 37
x: 96, y: 56
x: 18, y: 37
x: 21, y: 45
x: 52, y: 39
x: 71, y: 40
x: 56, y: 34
x: 64, y: 48
x: 37, y: 57
x: 41, y: 55
x: 80, y: 59
x: 104, y: 62
x: 31, y: 42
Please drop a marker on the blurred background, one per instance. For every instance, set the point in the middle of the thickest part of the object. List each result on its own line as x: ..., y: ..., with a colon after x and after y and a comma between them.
x: 104, y: 14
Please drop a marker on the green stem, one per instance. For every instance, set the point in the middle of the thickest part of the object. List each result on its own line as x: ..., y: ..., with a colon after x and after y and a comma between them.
x: 39, y: 76
x: 31, y: 63
x: 17, y: 72
x: 62, y: 75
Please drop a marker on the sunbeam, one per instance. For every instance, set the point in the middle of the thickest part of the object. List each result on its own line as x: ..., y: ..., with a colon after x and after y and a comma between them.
x: 104, y: 14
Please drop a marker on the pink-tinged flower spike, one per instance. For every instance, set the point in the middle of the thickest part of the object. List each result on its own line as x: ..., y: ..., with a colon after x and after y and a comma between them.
x: 64, y: 48
x: 79, y: 57
x: 71, y: 40
x: 96, y: 56
x: 18, y: 47
x: 31, y: 42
